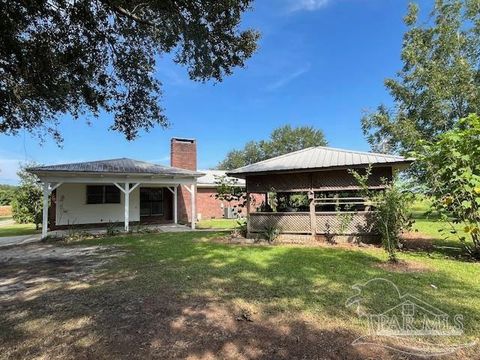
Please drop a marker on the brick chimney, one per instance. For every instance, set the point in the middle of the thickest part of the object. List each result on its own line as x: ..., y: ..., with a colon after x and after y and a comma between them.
x: 183, y: 153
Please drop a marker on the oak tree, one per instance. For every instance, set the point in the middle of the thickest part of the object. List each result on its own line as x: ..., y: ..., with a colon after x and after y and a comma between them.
x: 83, y: 57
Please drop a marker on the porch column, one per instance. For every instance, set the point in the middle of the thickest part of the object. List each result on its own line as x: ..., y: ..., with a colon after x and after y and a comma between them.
x: 193, y: 193
x: 126, y: 189
x: 175, y: 204
x: 47, y: 190
x: 45, y: 210
x: 127, y: 206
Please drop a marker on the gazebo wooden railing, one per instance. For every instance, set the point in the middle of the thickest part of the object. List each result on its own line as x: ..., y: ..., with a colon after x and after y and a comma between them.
x: 343, y: 221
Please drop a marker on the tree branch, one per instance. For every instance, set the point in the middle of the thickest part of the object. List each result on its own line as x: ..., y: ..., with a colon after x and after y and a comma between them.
x: 122, y: 11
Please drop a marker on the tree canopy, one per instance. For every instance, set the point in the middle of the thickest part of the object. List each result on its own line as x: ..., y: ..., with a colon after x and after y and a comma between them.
x: 82, y: 57
x: 440, y: 79
x: 282, y: 140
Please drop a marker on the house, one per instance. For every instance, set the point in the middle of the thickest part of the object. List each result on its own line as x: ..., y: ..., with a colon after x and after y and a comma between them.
x: 312, y: 194
x: 129, y: 191
x: 209, y: 207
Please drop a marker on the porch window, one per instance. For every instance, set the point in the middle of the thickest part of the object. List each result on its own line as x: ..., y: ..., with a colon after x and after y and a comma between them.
x: 103, y: 194
x: 151, y: 201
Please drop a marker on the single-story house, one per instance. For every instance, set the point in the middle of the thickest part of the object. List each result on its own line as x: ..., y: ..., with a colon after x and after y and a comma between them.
x: 208, y: 206
x: 311, y: 193
x: 97, y: 193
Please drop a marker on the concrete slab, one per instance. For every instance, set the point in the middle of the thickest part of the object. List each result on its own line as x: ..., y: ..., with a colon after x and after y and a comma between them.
x: 18, y: 240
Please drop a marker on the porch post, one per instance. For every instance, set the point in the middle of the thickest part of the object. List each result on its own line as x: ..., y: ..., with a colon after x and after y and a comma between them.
x: 193, y: 191
x: 127, y: 206
x: 46, y: 191
x: 175, y: 204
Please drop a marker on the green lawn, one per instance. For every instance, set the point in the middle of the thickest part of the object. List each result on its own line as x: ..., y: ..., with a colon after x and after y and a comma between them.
x: 17, y: 229
x: 430, y: 225
x: 226, y: 224
x: 292, y: 281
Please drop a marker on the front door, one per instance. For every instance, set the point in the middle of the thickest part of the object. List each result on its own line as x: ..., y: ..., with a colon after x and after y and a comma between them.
x: 151, y: 201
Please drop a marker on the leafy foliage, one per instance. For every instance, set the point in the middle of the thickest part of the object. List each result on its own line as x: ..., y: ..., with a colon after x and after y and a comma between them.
x: 390, y: 213
x: 229, y: 190
x: 452, y: 164
x: 282, y: 140
x: 439, y: 82
x: 271, y: 233
x: 6, y: 194
x: 27, y: 202
x: 86, y: 56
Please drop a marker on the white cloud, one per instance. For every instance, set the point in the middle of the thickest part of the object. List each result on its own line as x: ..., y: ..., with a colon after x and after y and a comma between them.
x: 307, y: 5
x: 288, y: 78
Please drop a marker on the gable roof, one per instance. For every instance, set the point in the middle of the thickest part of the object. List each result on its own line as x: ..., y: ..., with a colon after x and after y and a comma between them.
x: 319, y: 157
x: 208, y: 180
x: 116, y: 166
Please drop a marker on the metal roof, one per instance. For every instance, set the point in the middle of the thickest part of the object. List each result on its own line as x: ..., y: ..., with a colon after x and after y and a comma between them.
x: 208, y: 180
x: 317, y: 158
x: 116, y: 166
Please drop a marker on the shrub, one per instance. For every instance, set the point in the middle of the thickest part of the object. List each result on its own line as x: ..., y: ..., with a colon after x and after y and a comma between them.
x: 27, y: 205
x: 271, y: 233
x: 112, y: 229
x: 452, y: 178
x: 390, y: 215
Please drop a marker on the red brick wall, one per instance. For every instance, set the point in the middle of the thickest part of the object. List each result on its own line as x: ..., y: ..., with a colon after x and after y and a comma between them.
x: 210, y: 208
x: 183, y: 154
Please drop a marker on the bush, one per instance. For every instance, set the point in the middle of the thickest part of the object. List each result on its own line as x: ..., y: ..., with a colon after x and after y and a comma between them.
x: 27, y: 205
x: 452, y: 178
x: 271, y: 233
x: 391, y: 216
x: 7, y: 193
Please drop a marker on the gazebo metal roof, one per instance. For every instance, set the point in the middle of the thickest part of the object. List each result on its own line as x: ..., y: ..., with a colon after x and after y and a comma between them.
x: 319, y: 157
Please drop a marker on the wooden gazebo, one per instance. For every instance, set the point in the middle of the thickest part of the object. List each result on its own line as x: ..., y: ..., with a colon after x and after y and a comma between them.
x: 333, y: 206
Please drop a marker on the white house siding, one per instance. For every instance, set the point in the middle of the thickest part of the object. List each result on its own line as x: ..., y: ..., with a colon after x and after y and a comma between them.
x: 72, y: 207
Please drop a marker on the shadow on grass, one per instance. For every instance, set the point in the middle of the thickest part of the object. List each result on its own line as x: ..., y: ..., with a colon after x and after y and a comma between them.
x: 179, y: 295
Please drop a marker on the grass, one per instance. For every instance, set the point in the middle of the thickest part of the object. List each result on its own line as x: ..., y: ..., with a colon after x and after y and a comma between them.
x: 225, y: 224
x: 294, y: 281
x: 431, y: 226
x: 18, y: 229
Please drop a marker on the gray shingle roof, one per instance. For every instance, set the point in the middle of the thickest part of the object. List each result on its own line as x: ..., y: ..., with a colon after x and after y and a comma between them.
x: 210, y: 178
x: 117, y: 166
x: 317, y: 158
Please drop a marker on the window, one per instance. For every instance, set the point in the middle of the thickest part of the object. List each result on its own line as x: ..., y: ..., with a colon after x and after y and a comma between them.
x: 151, y: 201
x: 103, y: 194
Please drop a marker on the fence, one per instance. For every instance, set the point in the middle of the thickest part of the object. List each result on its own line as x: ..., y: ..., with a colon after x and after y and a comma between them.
x: 337, y: 223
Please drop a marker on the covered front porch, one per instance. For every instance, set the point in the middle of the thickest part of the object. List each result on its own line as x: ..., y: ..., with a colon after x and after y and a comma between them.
x: 114, y: 191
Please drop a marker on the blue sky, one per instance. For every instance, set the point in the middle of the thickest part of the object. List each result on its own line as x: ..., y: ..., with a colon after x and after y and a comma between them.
x: 319, y: 63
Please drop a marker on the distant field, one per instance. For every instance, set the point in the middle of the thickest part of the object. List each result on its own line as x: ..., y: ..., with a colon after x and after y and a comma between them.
x: 5, y: 211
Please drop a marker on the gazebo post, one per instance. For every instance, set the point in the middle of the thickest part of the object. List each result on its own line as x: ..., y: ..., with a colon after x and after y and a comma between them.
x: 247, y: 206
x: 313, y: 221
